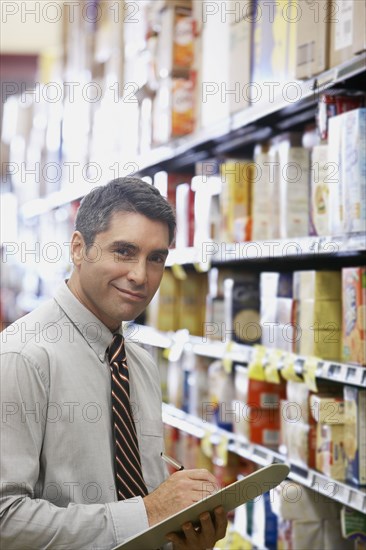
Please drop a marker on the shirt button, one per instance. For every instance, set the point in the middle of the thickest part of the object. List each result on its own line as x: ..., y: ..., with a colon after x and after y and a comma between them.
x: 101, y: 356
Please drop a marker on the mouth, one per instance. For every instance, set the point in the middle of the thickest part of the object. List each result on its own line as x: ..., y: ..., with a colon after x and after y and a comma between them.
x: 132, y: 295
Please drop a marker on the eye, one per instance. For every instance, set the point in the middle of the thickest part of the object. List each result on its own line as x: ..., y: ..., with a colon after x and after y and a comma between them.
x: 158, y: 258
x: 124, y: 252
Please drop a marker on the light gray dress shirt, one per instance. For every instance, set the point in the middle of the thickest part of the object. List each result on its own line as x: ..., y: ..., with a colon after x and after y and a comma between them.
x: 57, y: 450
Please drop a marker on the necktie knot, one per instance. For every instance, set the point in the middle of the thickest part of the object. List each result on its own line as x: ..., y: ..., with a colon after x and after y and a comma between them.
x: 115, y: 348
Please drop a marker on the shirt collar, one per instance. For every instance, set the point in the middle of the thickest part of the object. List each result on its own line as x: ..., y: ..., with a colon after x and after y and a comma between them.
x: 96, y: 334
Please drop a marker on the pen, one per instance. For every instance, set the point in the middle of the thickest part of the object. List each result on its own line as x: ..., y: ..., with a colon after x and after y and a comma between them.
x: 172, y: 462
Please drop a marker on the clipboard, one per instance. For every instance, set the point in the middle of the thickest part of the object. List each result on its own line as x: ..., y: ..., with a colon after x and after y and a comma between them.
x: 229, y: 497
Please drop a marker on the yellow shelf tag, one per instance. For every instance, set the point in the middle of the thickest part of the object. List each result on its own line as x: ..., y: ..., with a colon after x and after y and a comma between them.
x: 255, y: 367
x: 310, y: 367
x: 288, y: 370
x: 202, y: 267
x: 227, y: 361
x: 166, y: 353
x: 206, y: 445
x: 179, y: 272
x: 271, y: 370
x: 222, y: 451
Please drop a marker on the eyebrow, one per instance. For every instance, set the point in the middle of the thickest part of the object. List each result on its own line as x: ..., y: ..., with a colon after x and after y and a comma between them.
x: 127, y: 244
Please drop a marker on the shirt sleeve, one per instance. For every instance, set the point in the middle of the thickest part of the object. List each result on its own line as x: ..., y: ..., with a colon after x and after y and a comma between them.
x: 29, y: 522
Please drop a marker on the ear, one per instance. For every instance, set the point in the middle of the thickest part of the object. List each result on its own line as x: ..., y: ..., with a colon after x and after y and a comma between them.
x: 77, y: 248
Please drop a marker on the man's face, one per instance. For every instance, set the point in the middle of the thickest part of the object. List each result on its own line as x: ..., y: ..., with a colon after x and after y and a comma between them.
x: 119, y: 275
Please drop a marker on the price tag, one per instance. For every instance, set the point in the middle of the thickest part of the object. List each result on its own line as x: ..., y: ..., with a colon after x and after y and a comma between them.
x: 166, y: 353
x: 271, y: 369
x: 202, y: 267
x: 310, y: 366
x: 255, y: 367
x: 179, y: 272
x: 227, y: 361
x: 206, y: 445
x: 288, y: 370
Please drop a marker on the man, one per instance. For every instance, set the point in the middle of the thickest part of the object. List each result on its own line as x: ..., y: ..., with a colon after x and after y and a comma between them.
x: 80, y: 465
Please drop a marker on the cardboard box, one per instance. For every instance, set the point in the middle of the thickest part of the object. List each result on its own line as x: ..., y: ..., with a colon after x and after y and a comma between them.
x: 292, y: 501
x: 175, y: 47
x: 335, y: 159
x: 320, y: 181
x: 353, y: 171
x: 163, y: 309
x: 242, y: 308
x: 327, y: 410
x: 289, y: 40
x: 354, y: 315
x: 236, y: 177
x: 173, y: 109
x: 275, y: 284
x: 285, y: 336
x: 320, y: 285
x: 184, y: 215
x: 347, y: 30
x: 330, y: 450
x: 294, y: 173
x: 319, y: 314
x: 264, y: 427
x: 261, y: 193
x: 192, y: 303
x: 325, y: 344
x: 311, y: 38
x: 237, y: 90
x: 355, y: 434
x: 264, y: 395
x: 215, y: 75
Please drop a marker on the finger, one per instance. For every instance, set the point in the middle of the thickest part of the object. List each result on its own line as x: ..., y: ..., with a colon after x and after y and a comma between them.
x: 192, y: 535
x: 204, y: 489
x: 178, y: 542
x: 220, y: 522
x: 201, y: 474
x: 208, y: 531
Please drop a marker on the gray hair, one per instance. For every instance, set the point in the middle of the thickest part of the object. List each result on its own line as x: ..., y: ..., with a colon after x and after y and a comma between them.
x: 121, y: 195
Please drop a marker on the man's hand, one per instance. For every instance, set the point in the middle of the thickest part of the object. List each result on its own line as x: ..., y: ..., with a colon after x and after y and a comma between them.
x: 204, y: 537
x: 180, y: 490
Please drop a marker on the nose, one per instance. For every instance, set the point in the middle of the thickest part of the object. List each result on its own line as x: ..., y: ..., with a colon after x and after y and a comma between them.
x: 137, y: 273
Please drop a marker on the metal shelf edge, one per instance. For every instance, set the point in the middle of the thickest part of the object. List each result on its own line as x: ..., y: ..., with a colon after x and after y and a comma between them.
x: 345, y: 494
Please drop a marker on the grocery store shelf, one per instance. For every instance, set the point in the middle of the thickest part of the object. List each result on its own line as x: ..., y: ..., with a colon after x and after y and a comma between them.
x: 343, y: 373
x: 257, y: 122
x: 264, y: 116
x: 346, y: 494
x: 211, y: 252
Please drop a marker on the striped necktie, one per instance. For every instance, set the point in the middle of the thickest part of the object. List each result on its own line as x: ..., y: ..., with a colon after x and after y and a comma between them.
x: 129, y: 479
